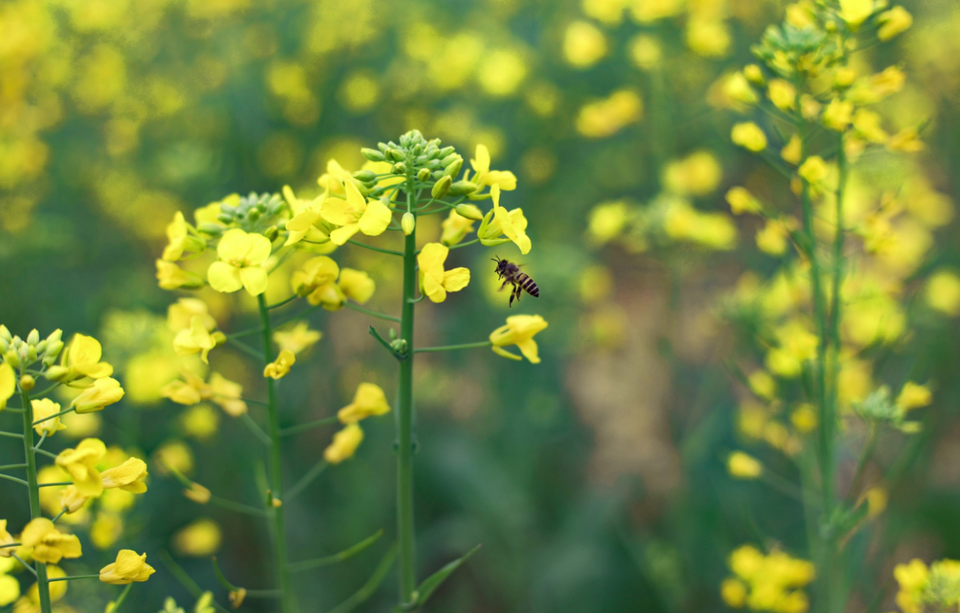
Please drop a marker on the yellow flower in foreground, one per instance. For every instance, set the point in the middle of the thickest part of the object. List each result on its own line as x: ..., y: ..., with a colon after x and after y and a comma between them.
x: 355, y: 214
x: 838, y: 114
x: 893, y: 22
x: 8, y: 384
x: 498, y: 222
x: 814, y: 169
x: 504, y: 179
x: 913, y: 396
x: 81, y: 464
x: 195, y: 339
x: 281, y: 366
x: 82, y: 357
x: 344, y: 445
x: 315, y: 273
x: 49, y: 545
x: 240, y: 264
x: 368, y: 401
x: 297, y: 339
x: 356, y: 285
x: 435, y: 282
x: 743, y: 466
x: 44, y: 408
x: 129, y: 567
x: 128, y: 476
x: 913, y: 579
x: 171, y: 276
x: 519, y: 331
x: 305, y: 215
x: 6, y: 539
x: 100, y: 394
x: 749, y: 136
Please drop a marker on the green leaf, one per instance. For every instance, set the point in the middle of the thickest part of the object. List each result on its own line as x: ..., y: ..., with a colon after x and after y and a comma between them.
x: 431, y: 583
x: 379, y: 574
x: 337, y: 557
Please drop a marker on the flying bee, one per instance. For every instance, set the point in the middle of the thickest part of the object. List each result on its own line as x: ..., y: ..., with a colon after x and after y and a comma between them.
x: 521, y: 281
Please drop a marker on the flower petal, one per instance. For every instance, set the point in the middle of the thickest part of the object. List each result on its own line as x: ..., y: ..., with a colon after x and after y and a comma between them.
x: 482, y: 163
x: 254, y: 279
x: 456, y: 279
x: 336, y: 211
x: 375, y: 219
x: 260, y: 248
x: 223, y: 277
x: 234, y: 245
x: 341, y: 235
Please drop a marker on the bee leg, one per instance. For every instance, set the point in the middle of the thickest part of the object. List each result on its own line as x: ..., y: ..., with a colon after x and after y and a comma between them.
x: 503, y: 286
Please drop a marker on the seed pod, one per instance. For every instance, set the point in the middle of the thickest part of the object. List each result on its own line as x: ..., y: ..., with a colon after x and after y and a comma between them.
x: 462, y: 188
x: 365, y: 175
x: 423, y: 174
x: 373, y: 155
x: 408, y: 222
x: 441, y: 187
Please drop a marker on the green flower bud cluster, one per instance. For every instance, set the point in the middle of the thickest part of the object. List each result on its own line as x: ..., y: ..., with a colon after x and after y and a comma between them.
x: 417, y: 156
x: 880, y: 409
x: 20, y: 353
x: 254, y: 213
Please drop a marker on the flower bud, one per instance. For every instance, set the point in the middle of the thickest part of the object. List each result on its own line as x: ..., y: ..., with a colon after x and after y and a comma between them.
x: 34, y: 337
x: 395, y: 154
x: 441, y: 187
x: 27, y: 382
x: 405, y: 140
x: 470, y: 212
x: 462, y: 188
x: 225, y: 218
x: 218, y: 337
x: 53, y: 350
x: 423, y: 174
x: 383, y: 147
x: 418, y: 149
x: 373, y: 155
x: 271, y: 233
x: 408, y: 222
x: 42, y: 346
x: 453, y: 169
x: 399, y: 345
x: 56, y: 373
x: 5, y: 333
x: 12, y: 358
x: 400, y: 168
x: 4, y: 345
x: 446, y: 151
x: 210, y: 228
x: 432, y: 152
x: 255, y: 214
x: 28, y: 353
x: 365, y: 175
x: 55, y: 336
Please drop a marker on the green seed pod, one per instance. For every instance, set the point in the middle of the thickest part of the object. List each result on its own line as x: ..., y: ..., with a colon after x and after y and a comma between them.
x: 373, y: 155
x: 470, y: 212
x: 365, y: 175
x: 400, y: 168
x: 34, y: 337
x: 423, y: 174
x: 462, y: 188
x: 453, y: 169
x: 441, y: 187
x: 408, y: 222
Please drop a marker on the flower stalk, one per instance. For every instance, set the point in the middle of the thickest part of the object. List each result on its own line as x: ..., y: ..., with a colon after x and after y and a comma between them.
x: 33, y: 487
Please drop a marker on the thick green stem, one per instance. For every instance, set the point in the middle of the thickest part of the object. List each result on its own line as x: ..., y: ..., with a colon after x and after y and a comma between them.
x: 405, y: 526
x: 276, y: 466
x: 34, y: 489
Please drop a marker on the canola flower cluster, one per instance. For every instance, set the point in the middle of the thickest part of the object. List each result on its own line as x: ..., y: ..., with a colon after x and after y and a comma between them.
x: 78, y: 475
x: 928, y: 588
x: 772, y: 582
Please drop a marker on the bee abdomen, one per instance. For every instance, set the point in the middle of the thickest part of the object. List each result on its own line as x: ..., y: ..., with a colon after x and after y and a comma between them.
x: 529, y: 286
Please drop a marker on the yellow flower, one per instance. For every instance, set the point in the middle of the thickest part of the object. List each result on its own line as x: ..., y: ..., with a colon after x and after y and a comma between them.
x: 241, y: 263
x: 355, y: 214
x: 315, y: 273
x: 867, y: 125
x: 913, y: 578
x: 128, y: 476
x: 855, y: 12
x: 813, y: 169
x: 49, y: 545
x: 519, y: 331
x: 698, y: 174
x: 201, y: 538
x: 913, y: 396
x: 71, y: 499
x: 281, y: 366
x: 180, y: 239
x: 607, y: 221
x: 306, y: 214
x: 707, y: 37
x: 435, y: 282
x: 81, y: 464
x: 192, y: 390
x: 893, y: 22
x: 498, y: 222
x: 198, y: 493
x: 129, y: 567
x: 9, y: 590
x: 782, y: 94
x: 368, y: 401
x: 737, y: 88
x: 181, y: 313
x: 608, y: 116
x: 749, y: 136
x: 791, y: 152
x: 236, y: 597
x: 171, y: 276
x: 45, y: 408
x: 344, y: 445
x: 772, y: 238
x: 356, y: 285
x: 733, y: 592
x: 200, y: 421
x: 743, y: 466
x: 905, y: 141
x: 8, y: 384
x: 82, y: 358
x: 227, y: 394
x: 742, y: 201
x: 297, y: 339
x: 455, y: 229
x: 583, y: 44
x: 6, y: 539
x: 195, y: 339
x: 504, y: 179
x: 97, y: 396
x: 942, y: 293
x: 838, y: 114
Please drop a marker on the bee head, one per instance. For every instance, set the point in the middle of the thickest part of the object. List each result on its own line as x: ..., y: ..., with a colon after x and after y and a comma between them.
x: 501, y: 264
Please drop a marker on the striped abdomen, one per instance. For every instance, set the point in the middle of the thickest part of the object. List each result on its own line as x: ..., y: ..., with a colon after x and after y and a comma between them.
x: 528, y: 285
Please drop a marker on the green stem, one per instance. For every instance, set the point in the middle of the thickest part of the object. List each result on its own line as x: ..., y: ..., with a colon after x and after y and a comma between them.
x: 123, y: 596
x: 64, y: 412
x: 10, y: 466
x: 372, y: 248
x: 360, y: 309
x: 11, y: 434
x: 454, y: 347
x: 71, y: 578
x: 326, y: 421
x: 283, y: 302
x: 15, y: 479
x: 34, y: 493
x: 405, y: 525
x: 337, y: 557
x: 466, y: 244
x: 306, y: 479
x: 276, y: 468
x: 868, y: 447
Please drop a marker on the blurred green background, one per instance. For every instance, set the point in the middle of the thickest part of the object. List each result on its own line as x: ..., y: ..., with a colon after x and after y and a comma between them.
x: 595, y: 480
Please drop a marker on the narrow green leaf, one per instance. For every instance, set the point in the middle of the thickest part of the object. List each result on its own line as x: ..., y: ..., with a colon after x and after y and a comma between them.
x: 337, y: 557
x: 431, y: 583
x: 365, y: 592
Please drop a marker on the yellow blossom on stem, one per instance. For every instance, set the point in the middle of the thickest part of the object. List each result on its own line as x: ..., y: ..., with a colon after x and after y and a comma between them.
x: 297, y: 339
x: 905, y: 141
x: 170, y: 276
x: 455, y: 229
x: 814, y: 169
x: 228, y: 395
x: 503, y: 179
x: 913, y: 578
x: 129, y: 567
x: 749, y: 136
x: 344, y: 445
x: 498, y: 223
x: 791, y: 152
x: 519, y: 331
x: 195, y: 339
x: 71, y: 499
x: 838, y: 114
x: 180, y: 240
x: 782, y: 94
x: 181, y: 313
x: 6, y: 539
x: 220, y: 390
x: 855, y: 12
x: 8, y: 384
x: 128, y: 476
x: 356, y: 285
x: 893, y: 22
x: 743, y: 466
x: 102, y: 393
x: 82, y: 358
x: 281, y: 366
x: 305, y: 216
x: 81, y: 464
x: 742, y: 201
x: 942, y: 294
x: 913, y: 396
x: 48, y: 544
x: 313, y: 274
x: 355, y: 214
x: 368, y: 401
x: 241, y: 263
x: 42, y: 409
x: 435, y: 282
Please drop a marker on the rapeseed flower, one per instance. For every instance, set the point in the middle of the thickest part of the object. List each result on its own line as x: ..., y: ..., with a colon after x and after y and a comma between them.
x: 743, y: 466
x: 368, y: 401
x: 503, y: 179
x: 82, y: 358
x: 192, y: 389
x: 893, y: 22
x: 297, y: 339
x: 749, y: 136
x: 49, y: 545
x: 498, y: 222
x: 455, y: 228
x: 200, y: 538
x: 81, y: 464
x: 170, y: 276
x: 180, y: 240
x: 6, y: 539
x: 180, y: 314
x: 281, y: 366
x: 305, y: 216
x: 913, y: 396
x: 356, y: 285
x: 195, y: 339
x: 313, y: 274
x: 344, y: 445
x: 942, y: 294
x: 435, y: 282
x: 355, y: 214
x: 241, y: 263
x: 128, y: 567
x: 43, y: 409
x: 102, y: 393
x: 519, y: 330
x: 128, y: 476
x: 8, y: 384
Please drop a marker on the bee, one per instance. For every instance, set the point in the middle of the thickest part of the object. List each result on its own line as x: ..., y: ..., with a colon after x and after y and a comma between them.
x: 521, y: 281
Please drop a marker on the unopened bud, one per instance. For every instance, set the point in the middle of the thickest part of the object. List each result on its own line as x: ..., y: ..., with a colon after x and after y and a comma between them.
x: 42, y: 346
x: 408, y: 222
x: 462, y: 188
x: 441, y: 187
x: 53, y: 350
x: 470, y: 212
x: 395, y: 154
x: 5, y: 333
x: 56, y: 335
x: 453, y: 169
x: 366, y: 175
x: 753, y: 74
x: 446, y: 151
x: 4, y: 345
x: 29, y: 353
x: 400, y: 168
x: 34, y: 337
x: 399, y: 345
x: 27, y: 382
x: 56, y: 373
x: 423, y: 174
x: 218, y: 337
x: 210, y: 228
x: 12, y: 358
x: 255, y: 214
x: 225, y: 218
x: 373, y: 155
x: 271, y: 233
